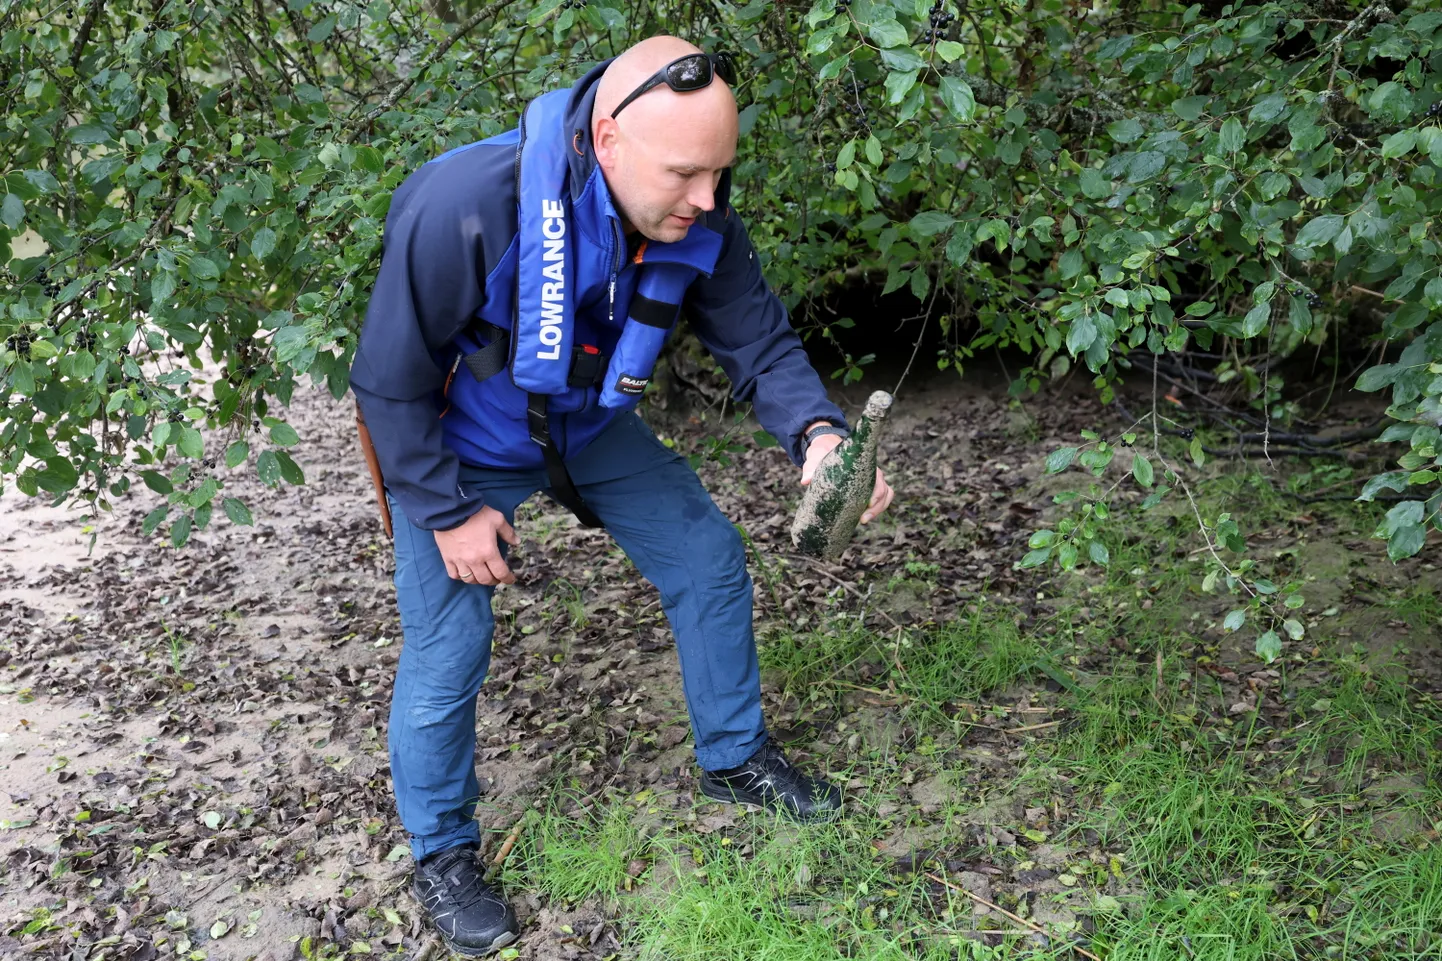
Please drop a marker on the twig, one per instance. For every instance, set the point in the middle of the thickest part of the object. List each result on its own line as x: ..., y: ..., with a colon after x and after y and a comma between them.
x: 486, y: 14
x: 851, y: 590
x: 1005, y: 913
x: 1028, y: 727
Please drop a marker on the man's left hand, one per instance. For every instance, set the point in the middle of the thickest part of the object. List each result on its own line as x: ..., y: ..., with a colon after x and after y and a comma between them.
x: 880, y: 495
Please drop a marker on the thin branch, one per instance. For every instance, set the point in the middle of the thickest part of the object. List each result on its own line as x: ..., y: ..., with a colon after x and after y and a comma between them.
x: 487, y: 13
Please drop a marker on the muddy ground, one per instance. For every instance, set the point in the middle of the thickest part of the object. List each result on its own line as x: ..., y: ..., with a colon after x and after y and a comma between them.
x: 193, y: 742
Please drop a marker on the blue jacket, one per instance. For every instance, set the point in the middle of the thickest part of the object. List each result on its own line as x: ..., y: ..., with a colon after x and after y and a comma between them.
x: 450, y: 258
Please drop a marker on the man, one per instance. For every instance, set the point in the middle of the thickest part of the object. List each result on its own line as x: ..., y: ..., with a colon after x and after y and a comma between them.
x: 526, y: 287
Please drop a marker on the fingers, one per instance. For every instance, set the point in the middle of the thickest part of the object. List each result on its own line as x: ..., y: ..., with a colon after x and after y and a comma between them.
x: 881, y: 496
x: 507, y: 533
x: 496, y: 571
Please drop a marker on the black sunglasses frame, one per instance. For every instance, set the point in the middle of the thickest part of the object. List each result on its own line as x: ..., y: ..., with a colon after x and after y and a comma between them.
x: 721, y: 65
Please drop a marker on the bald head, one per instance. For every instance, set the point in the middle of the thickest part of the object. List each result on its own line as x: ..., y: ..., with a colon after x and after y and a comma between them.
x: 663, y: 156
x: 635, y: 65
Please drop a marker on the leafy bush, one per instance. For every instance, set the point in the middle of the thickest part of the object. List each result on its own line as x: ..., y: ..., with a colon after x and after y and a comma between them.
x: 195, y: 191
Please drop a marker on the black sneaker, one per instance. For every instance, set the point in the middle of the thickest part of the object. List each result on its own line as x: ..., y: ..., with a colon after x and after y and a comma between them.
x: 471, y: 917
x: 769, y: 780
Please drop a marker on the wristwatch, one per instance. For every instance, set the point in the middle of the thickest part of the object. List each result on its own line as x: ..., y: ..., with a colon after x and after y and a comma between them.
x: 821, y: 429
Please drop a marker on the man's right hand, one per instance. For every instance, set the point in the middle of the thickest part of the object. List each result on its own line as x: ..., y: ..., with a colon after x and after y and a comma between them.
x: 472, y: 552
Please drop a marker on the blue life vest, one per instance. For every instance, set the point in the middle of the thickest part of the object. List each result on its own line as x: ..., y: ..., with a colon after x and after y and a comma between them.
x: 542, y: 306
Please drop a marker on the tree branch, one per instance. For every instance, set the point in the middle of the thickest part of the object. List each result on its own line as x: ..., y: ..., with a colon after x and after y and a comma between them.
x: 486, y: 13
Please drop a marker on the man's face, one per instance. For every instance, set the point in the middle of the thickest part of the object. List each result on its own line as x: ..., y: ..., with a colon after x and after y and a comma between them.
x: 663, y: 164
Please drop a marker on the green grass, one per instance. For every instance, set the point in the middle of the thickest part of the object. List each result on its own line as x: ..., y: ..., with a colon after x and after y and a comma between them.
x: 930, y: 671
x: 1184, y: 829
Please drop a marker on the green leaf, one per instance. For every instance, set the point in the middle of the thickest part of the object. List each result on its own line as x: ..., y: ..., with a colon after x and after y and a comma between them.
x: 1081, y: 335
x: 267, y: 465
x: 1059, y: 460
x: 12, y: 211
x: 1142, y: 470
x: 846, y: 156
x: 236, y: 453
x: 322, y: 29
x: 820, y: 11
x: 1320, y: 230
x: 1127, y: 130
x: 1042, y: 539
x: 1405, y: 514
x: 284, y: 435
x: 930, y: 222
x: 1232, y: 137
x: 262, y: 243
x: 157, y: 482
x: 1398, y: 144
x: 162, y: 286
x: 191, y: 444
x: 237, y: 512
x: 902, y: 58
x: 1235, y: 620
x: 888, y: 33
x: 289, y: 469
x: 898, y: 85
x: 153, y: 519
x: 1199, y: 456
x: 88, y: 133
x: 59, y: 476
x: 1036, y: 558
x: 1190, y: 108
x: 1375, y: 378
x: 1269, y: 646
x: 1099, y: 553
x: 949, y: 50
x: 180, y: 530
x: 873, y: 151
x: 1293, y: 628
x: 1406, y: 541
x: 957, y: 95
x: 1256, y: 320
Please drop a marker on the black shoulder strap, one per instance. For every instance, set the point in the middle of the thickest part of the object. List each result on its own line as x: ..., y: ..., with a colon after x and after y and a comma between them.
x: 491, y: 359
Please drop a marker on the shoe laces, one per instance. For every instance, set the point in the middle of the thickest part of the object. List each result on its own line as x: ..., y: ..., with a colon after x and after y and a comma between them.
x: 463, y: 877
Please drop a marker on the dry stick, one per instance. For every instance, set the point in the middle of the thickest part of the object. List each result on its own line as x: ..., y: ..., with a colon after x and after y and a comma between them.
x: 515, y: 835
x: 852, y: 591
x: 1019, y: 920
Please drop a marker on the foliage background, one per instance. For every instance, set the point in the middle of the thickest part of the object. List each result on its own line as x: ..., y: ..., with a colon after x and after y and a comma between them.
x: 194, y: 193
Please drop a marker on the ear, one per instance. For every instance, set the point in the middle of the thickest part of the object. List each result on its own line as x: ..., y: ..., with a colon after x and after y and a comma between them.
x: 605, y: 140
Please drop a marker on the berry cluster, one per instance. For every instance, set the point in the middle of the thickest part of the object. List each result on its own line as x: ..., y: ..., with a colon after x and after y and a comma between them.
x: 85, y: 340
x: 1435, y: 110
x: 573, y: 4
x: 940, y: 20
x: 1314, y: 299
x: 856, y: 105
x: 20, y: 344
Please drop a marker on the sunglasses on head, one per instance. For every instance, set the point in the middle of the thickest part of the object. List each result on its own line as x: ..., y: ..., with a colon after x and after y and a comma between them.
x: 684, y: 74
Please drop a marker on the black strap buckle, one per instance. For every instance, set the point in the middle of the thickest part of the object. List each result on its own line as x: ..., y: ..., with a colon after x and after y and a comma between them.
x: 536, y: 422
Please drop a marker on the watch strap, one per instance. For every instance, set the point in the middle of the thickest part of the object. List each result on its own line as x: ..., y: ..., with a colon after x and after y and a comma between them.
x: 823, y: 429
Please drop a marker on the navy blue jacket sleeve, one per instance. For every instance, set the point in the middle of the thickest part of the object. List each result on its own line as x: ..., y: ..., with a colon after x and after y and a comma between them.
x: 429, y: 287
x: 745, y: 327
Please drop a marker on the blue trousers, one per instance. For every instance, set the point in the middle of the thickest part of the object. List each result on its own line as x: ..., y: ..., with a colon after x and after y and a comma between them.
x: 655, y: 507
